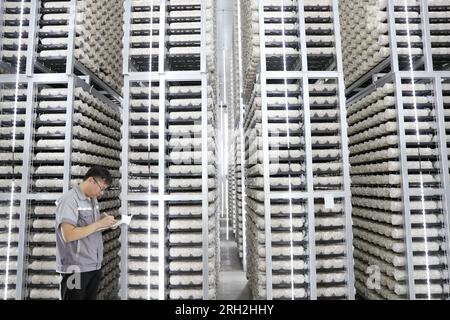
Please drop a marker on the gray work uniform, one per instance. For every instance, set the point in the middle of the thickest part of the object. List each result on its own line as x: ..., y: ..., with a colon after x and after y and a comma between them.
x: 82, y: 255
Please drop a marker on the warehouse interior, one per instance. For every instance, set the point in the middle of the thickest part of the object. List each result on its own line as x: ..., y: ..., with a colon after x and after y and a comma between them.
x: 267, y: 149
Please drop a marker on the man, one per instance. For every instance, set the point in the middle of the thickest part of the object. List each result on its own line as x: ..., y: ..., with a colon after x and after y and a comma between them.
x: 79, y: 243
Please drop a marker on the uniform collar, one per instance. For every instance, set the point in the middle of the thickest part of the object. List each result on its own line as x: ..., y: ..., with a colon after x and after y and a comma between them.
x: 80, y: 194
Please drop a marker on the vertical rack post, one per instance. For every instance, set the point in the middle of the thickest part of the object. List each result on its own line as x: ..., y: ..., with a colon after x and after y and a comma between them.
x: 68, y: 136
x: 242, y: 139
x: 162, y: 36
x: 350, y: 278
x: 126, y: 38
x: 405, y: 187
x: 444, y: 164
x: 308, y: 153
x: 392, y: 36
x: 71, y: 38
x: 205, y: 189
x: 26, y: 163
x: 203, y: 37
x: 266, y: 163
x: 205, y: 206
x: 124, y: 188
x: 161, y: 188
x: 310, y: 191
x: 426, y: 36
x: 31, y: 46
x: 402, y: 147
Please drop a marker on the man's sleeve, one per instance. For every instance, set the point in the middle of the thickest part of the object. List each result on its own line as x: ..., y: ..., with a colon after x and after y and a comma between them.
x: 66, y: 211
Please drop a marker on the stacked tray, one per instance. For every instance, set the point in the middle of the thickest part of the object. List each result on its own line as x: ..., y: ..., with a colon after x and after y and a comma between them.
x: 182, y: 252
x: 378, y: 209
x: 239, y: 196
x: 365, y: 30
x: 185, y: 249
x: 49, y: 124
x: 109, y: 204
x: 236, y: 150
x: 42, y: 282
x: 365, y: 34
x: 143, y: 254
x: 232, y: 213
x: 12, y: 131
x: 95, y: 137
x: 98, y: 37
x: 183, y: 34
x: 144, y: 35
x: 439, y: 20
x: 250, y: 45
x: 143, y: 138
x: 14, y: 30
x: 184, y: 166
x: 287, y: 165
x: 446, y: 101
x: 282, y: 37
x: 9, y: 246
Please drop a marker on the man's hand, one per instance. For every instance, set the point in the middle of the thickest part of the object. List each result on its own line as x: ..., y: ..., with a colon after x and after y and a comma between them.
x: 105, y: 222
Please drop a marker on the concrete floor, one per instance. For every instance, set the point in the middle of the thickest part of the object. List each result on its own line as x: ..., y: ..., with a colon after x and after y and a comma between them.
x: 233, y: 283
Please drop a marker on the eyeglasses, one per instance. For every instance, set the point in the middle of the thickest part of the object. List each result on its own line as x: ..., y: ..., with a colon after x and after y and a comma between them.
x: 102, y: 189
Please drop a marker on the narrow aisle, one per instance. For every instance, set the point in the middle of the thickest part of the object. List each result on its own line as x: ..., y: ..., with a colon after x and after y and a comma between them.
x: 233, y: 283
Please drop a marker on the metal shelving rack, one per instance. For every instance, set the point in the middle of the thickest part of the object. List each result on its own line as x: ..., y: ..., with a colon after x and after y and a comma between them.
x: 152, y: 255
x: 21, y: 86
x: 236, y: 152
x: 299, y: 235
x: 400, y: 245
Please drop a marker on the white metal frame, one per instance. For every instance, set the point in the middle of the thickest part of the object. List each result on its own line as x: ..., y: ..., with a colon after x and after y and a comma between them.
x: 162, y: 76
x: 310, y: 194
x: 32, y: 79
x: 395, y: 76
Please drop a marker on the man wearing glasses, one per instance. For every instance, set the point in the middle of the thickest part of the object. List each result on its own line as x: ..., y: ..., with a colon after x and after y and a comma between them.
x: 79, y: 243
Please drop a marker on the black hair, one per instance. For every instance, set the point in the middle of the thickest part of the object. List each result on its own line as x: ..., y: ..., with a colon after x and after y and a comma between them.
x: 99, y: 172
